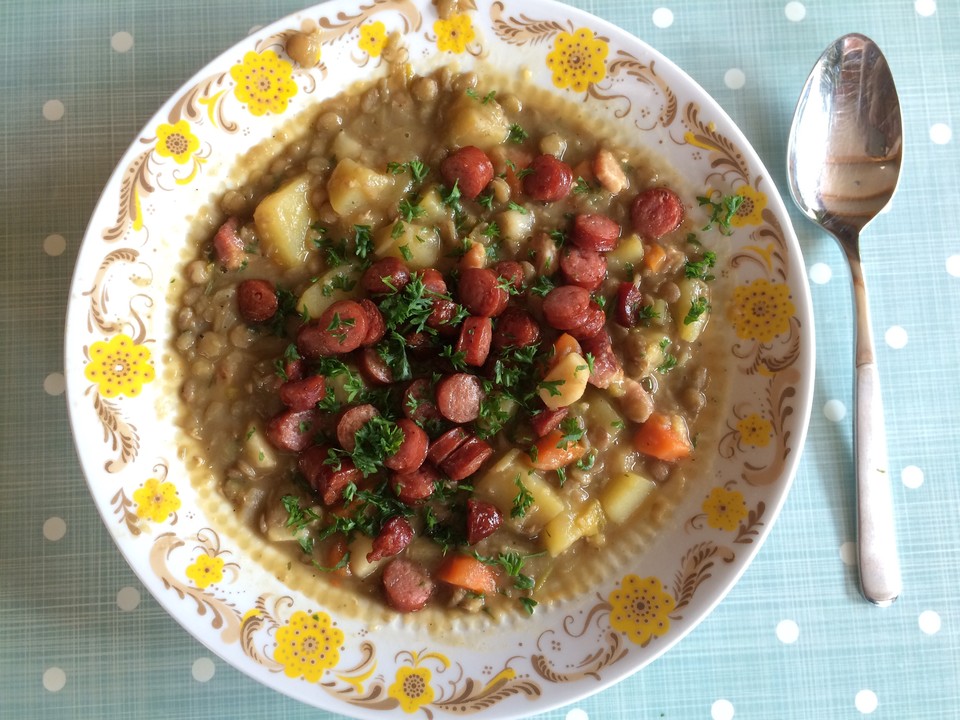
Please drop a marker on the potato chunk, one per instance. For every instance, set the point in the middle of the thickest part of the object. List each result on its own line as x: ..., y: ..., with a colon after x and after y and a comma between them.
x: 417, y: 245
x: 283, y: 219
x: 623, y: 494
x: 352, y: 187
x: 501, y: 486
x: 475, y: 122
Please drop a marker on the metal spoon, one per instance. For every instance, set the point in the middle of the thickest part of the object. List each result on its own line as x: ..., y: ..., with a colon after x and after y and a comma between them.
x: 843, y: 163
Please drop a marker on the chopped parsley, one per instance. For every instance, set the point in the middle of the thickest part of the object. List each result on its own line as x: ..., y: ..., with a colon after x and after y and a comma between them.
x: 701, y: 268
x: 721, y: 212
x: 697, y: 308
x: 522, y: 501
x: 517, y: 134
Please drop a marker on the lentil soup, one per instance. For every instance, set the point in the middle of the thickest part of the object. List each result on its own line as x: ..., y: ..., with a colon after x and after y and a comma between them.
x: 449, y: 348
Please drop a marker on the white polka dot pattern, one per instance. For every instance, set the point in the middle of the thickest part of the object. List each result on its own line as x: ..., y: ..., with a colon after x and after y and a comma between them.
x: 54, y: 679
x: 834, y: 410
x: 734, y: 78
x: 795, y: 11
x: 53, y: 110
x: 722, y: 710
x: 940, y: 133
x: 848, y: 553
x: 128, y: 598
x: 788, y: 631
x: 896, y: 337
x: 54, y: 245
x: 203, y: 669
x: 54, y: 529
x: 866, y: 701
x: 925, y: 8
x: 912, y: 477
x: 121, y: 42
x: 663, y: 17
x: 929, y: 622
x: 820, y: 273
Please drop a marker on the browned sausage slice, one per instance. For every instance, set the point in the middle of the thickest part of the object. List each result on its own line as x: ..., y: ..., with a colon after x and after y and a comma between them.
x: 394, y: 536
x: 328, y: 479
x: 376, y: 326
x: 415, y: 487
x: 549, y: 179
x: 257, y: 300
x: 340, y: 329
x: 291, y: 430
x: 656, y: 212
x: 413, y: 449
x: 586, y: 268
x: 466, y: 459
x: 470, y: 168
x: 446, y: 444
x: 565, y: 306
x: 418, y: 404
x: 515, y: 328
x: 591, y: 323
x: 228, y: 245
x: 351, y: 420
x: 594, y: 232
x: 546, y: 421
x: 303, y: 394
x: 475, y: 337
x: 385, y: 276
x: 480, y: 292
x: 483, y: 518
x: 373, y: 367
x: 510, y: 272
x: 433, y: 281
x: 407, y: 585
x: 606, y: 364
x: 629, y: 297
x: 459, y: 397
x: 441, y: 317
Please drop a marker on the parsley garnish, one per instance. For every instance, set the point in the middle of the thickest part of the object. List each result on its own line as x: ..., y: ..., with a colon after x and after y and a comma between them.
x: 697, y: 308
x: 362, y: 242
x: 722, y: 212
x: 572, y: 432
x: 297, y: 520
x: 519, y: 208
x: 582, y: 186
x: 543, y: 286
x: 522, y: 501
x: 701, y: 268
x: 517, y: 134
x: 410, y: 211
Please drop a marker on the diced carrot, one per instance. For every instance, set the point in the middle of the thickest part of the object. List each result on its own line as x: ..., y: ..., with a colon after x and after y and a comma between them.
x: 663, y: 437
x: 467, y: 572
x: 552, y: 453
x: 335, y: 552
x: 584, y: 169
x: 517, y: 160
x: 654, y: 256
x: 563, y: 346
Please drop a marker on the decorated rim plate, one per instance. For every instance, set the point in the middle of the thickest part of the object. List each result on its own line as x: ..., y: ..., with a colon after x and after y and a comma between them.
x: 123, y: 412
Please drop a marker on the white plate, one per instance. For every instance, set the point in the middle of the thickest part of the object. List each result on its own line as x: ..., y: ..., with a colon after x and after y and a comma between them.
x: 118, y: 330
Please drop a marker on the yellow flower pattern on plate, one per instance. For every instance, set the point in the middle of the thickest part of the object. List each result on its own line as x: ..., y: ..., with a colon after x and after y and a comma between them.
x: 206, y: 570
x: 755, y: 430
x: 577, y: 60
x: 641, y: 608
x: 725, y: 509
x: 264, y: 82
x: 119, y: 367
x: 412, y: 688
x: 156, y: 500
x: 761, y: 310
x: 751, y: 207
x: 454, y: 33
x: 177, y: 141
x: 308, y: 645
x: 373, y: 38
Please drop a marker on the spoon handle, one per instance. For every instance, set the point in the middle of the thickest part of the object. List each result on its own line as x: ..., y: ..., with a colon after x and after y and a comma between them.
x: 879, y: 564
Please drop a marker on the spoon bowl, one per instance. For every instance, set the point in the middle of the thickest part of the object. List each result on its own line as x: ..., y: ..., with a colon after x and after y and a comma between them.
x: 844, y: 156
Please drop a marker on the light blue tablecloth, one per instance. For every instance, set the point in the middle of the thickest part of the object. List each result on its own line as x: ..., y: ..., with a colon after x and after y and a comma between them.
x: 79, y: 638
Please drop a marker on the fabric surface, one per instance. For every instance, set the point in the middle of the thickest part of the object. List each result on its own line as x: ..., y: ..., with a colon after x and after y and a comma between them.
x: 80, y: 638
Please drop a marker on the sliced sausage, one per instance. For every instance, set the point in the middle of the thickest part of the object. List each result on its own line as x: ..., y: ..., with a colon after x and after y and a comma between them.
x: 328, y: 479
x: 394, y: 536
x: 475, y: 336
x: 441, y: 317
x: 407, y: 586
x: 418, y: 344
x: 418, y: 404
x: 291, y: 430
x: 515, y: 328
x: 459, y: 397
x: 586, y: 268
x: 228, y: 245
x: 415, y: 487
x: 470, y: 168
x: 257, y: 300
x: 510, y: 272
x: 546, y: 421
x: 483, y: 518
x: 303, y: 394
x: 629, y: 298
x: 565, y: 306
x: 466, y: 459
x: 480, y: 292
x: 656, y: 212
x: 385, y: 276
x: 606, y: 364
x: 351, y: 420
x: 341, y: 329
x: 294, y: 369
x: 591, y: 323
x: 373, y: 367
x: 549, y: 179
x: 433, y: 281
x: 594, y: 232
x: 446, y: 444
x: 412, y: 451
x: 376, y: 326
